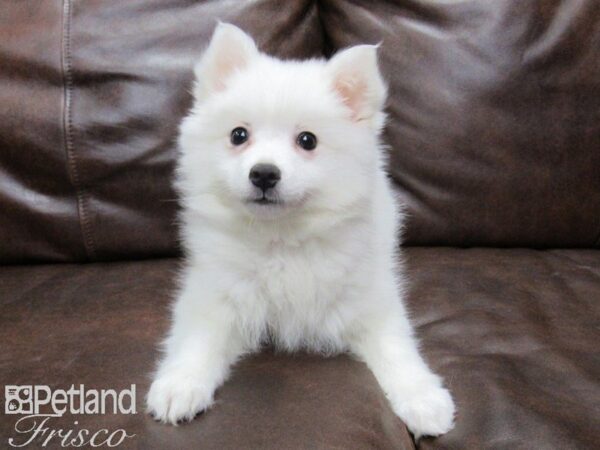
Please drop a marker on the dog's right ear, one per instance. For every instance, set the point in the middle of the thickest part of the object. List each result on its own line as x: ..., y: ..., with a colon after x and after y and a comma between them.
x: 230, y: 50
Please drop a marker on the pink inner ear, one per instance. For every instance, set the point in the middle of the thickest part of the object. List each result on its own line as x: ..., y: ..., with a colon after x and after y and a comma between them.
x: 225, y: 67
x: 352, y: 90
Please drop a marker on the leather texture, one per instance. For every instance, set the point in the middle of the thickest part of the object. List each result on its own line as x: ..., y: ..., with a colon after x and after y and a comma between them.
x: 38, y: 208
x: 100, y: 325
x: 93, y: 93
x: 494, y: 140
x: 494, y: 115
x: 514, y: 332
x: 494, y: 128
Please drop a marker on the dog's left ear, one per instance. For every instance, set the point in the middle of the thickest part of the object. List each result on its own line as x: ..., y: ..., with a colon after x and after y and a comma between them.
x: 358, y: 82
x: 230, y: 49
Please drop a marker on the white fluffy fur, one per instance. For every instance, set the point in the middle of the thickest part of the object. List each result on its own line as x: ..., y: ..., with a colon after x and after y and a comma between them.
x: 319, y: 271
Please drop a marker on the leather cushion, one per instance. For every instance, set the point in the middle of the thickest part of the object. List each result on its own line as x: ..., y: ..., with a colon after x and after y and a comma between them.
x: 99, y: 325
x: 93, y: 93
x: 494, y: 123
x: 494, y: 126
x: 514, y: 333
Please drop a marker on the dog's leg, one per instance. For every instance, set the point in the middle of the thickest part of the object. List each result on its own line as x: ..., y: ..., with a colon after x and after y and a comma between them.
x: 201, y: 347
x: 387, y: 345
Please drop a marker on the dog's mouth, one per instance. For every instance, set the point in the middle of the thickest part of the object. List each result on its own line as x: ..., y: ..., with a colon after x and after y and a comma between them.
x: 264, y: 200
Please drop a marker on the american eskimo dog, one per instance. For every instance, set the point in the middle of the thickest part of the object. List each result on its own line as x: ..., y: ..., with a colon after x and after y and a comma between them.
x: 290, y: 228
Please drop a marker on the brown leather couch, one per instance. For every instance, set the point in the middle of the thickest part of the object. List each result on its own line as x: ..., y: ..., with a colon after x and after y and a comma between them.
x: 494, y: 137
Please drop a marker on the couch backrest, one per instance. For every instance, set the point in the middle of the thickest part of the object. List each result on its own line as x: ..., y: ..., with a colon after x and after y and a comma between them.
x: 494, y: 124
x: 494, y: 115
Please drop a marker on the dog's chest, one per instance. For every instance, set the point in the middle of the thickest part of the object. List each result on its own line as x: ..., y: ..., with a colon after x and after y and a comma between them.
x: 300, y: 276
x: 299, y: 294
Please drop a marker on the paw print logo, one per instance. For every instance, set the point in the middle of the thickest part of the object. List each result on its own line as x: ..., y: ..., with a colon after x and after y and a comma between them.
x: 18, y: 399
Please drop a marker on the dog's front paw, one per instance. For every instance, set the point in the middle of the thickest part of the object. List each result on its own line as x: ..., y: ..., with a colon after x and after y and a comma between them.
x: 176, y: 397
x: 429, y: 413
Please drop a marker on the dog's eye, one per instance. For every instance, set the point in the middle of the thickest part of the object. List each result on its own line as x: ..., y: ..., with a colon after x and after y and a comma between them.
x: 239, y: 135
x: 307, y: 140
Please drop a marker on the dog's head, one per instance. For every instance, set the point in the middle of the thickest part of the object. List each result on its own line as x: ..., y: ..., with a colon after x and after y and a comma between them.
x: 267, y: 138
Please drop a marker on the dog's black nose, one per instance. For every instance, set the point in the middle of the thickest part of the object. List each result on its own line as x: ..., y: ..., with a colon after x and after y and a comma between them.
x: 265, y: 176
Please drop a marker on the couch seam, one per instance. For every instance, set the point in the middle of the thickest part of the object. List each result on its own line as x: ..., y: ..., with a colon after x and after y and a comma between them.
x: 327, y: 48
x: 72, y: 166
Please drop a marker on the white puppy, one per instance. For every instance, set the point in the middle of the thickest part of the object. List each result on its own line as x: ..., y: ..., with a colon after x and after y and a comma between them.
x: 291, y: 229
